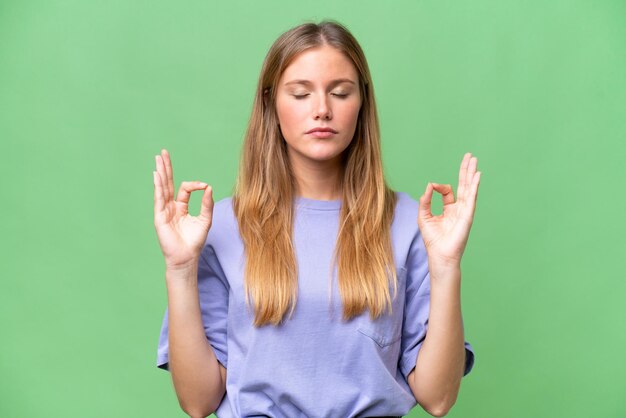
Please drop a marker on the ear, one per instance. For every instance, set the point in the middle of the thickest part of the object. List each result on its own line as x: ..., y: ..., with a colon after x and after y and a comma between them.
x: 266, y: 95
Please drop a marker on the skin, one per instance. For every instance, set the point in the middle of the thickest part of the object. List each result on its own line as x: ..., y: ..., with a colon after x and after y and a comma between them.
x: 322, y: 102
x: 436, y: 379
x: 198, y: 378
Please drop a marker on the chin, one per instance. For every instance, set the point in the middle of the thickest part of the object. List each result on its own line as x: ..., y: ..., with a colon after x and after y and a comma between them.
x: 325, y: 153
x: 324, y: 159
x: 320, y: 152
x: 327, y: 156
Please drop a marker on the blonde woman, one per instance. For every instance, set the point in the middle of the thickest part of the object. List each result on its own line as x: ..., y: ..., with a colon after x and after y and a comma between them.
x: 315, y: 290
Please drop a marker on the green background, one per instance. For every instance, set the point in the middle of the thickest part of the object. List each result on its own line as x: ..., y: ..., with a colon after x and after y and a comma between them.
x: 90, y: 91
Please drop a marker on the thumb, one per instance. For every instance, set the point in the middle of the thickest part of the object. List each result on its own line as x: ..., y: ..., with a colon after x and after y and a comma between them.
x: 206, y: 208
x: 425, y: 203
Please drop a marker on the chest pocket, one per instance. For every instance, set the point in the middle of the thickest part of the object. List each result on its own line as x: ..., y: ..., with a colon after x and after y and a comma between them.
x: 387, y: 328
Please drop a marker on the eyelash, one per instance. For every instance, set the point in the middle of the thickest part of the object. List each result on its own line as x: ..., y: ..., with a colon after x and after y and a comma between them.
x: 341, y: 96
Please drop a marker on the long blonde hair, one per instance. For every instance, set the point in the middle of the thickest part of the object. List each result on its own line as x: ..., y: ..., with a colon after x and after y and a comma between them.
x: 266, y: 187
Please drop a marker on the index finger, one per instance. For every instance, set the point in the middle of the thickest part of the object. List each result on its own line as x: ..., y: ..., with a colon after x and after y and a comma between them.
x: 169, y: 171
x: 460, y: 191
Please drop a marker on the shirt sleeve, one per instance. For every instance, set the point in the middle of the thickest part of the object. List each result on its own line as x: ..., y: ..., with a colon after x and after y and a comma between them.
x: 213, y: 289
x: 417, y: 308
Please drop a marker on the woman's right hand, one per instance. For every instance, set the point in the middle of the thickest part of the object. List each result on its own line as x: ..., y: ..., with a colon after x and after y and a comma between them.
x: 181, y: 236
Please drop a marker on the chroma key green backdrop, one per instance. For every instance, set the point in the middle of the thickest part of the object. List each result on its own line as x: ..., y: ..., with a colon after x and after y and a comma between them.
x: 91, y: 91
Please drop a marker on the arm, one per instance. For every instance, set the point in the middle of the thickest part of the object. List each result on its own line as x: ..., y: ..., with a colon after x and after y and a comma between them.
x: 198, y: 378
x: 439, y: 368
x: 436, y: 379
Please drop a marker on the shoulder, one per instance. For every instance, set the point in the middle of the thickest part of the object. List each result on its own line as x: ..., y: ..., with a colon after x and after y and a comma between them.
x: 406, y: 209
x: 406, y: 203
x: 223, y: 207
x: 405, y: 232
x: 223, y: 223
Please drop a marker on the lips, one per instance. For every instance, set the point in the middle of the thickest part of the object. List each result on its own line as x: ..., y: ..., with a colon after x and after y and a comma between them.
x: 322, y: 129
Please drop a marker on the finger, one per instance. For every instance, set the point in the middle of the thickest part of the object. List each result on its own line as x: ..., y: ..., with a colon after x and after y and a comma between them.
x: 161, y: 170
x: 159, y: 202
x: 474, y: 194
x: 169, y: 171
x: 424, y: 211
x: 475, y: 184
x: 185, y: 189
x: 206, y: 208
x: 462, y: 174
x: 447, y: 195
x: 471, y: 170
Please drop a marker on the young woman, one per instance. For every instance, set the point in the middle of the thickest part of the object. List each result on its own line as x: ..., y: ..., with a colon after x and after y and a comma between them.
x: 315, y: 290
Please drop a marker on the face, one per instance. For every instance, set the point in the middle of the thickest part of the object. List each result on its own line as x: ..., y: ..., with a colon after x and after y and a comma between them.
x: 319, y: 89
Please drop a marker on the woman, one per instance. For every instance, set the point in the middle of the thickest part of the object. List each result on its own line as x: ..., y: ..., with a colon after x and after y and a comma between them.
x: 310, y: 292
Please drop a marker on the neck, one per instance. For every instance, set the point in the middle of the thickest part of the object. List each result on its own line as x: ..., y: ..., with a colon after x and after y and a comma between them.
x: 319, y: 180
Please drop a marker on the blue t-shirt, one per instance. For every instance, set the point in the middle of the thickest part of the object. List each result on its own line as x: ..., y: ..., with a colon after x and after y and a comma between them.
x: 314, y: 364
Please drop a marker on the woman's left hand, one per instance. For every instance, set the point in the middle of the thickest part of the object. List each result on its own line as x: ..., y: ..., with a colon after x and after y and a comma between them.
x: 445, y: 235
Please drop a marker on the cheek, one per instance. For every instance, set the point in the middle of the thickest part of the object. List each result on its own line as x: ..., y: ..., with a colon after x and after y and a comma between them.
x: 351, y: 114
x: 290, y: 116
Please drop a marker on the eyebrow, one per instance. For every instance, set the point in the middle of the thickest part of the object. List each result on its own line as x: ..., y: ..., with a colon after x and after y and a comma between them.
x: 332, y: 83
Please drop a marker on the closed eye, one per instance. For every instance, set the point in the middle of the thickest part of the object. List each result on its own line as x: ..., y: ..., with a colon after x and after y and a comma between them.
x: 302, y: 96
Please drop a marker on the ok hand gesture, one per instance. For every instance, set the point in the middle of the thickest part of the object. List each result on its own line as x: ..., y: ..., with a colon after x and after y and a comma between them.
x: 445, y: 236
x: 181, y: 236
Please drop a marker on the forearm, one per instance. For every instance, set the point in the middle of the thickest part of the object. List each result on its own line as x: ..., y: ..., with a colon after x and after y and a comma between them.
x: 192, y: 362
x: 441, y: 360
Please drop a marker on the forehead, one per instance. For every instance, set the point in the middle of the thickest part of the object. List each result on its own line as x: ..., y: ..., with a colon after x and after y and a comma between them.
x: 320, y: 65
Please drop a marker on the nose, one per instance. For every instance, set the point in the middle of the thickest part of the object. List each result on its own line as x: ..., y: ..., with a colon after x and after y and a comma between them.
x: 322, y: 109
